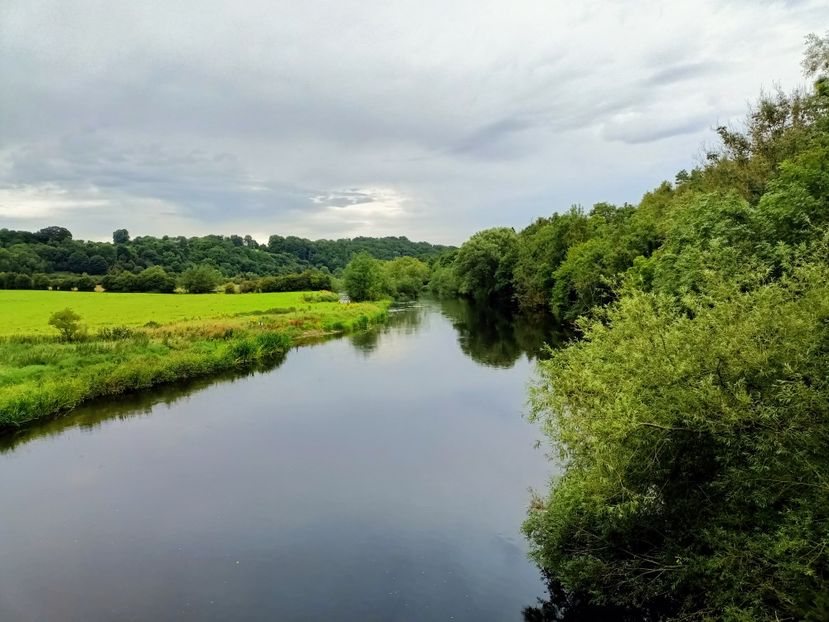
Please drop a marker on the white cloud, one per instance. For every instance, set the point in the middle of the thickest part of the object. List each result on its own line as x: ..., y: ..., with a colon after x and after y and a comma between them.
x: 46, y: 201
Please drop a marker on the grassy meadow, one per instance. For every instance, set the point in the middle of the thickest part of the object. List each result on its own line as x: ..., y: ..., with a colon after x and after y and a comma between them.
x: 27, y: 311
x: 136, y: 341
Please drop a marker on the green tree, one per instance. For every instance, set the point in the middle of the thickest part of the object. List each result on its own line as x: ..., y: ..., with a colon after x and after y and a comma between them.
x: 85, y: 283
x: 363, y: 278
x: 405, y: 277
x: 23, y: 281
x: 77, y: 262
x: 484, y: 264
x: 443, y: 280
x: 67, y: 323
x: 155, y: 279
x: 542, y: 248
x: 587, y: 277
x: 53, y: 235
x: 120, y: 236
x: 201, y: 279
x: 695, y: 452
x: 97, y: 265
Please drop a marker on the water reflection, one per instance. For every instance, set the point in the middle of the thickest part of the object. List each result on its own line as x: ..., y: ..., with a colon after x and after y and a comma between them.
x: 140, y: 403
x: 498, y: 338
x: 135, y: 404
x: 562, y: 606
x: 405, y: 317
x: 385, y: 470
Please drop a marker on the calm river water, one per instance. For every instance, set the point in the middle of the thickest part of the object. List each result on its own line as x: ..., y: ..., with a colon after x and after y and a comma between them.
x: 381, y: 476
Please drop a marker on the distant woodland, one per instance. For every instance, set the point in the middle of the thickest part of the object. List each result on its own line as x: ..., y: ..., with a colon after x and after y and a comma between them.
x: 54, y: 250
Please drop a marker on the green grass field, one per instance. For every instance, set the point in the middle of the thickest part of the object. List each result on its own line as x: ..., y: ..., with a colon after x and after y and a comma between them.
x: 26, y: 312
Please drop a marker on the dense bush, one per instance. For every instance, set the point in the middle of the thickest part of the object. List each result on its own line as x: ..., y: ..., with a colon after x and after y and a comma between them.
x: 64, y: 283
x: 321, y: 297
x: 155, y: 279
x: 310, y: 280
x: 201, y: 279
x: 85, y: 283
x: 695, y: 450
x: 248, y: 286
x: 364, y: 279
x: 151, y: 280
x: 484, y: 265
x: 22, y: 281
x: 692, y: 418
x: 40, y: 281
x: 405, y: 277
x: 67, y: 323
x: 14, y: 280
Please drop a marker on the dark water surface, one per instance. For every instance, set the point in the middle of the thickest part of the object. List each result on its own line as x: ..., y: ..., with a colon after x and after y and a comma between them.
x: 382, y: 476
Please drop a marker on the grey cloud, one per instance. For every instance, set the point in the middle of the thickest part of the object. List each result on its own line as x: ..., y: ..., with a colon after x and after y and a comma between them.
x: 649, y: 129
x: 682, y: 72
x: 343, y: 199
x: 494, y: 140
x: 207, y: 186
x: 366, y: 117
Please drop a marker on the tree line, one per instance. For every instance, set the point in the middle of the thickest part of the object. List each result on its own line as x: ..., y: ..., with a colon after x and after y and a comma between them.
x: 692, y: 413
x: 43, y: 255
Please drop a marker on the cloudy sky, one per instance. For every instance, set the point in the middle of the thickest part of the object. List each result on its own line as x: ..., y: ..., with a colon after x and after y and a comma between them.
x: 431, y: 119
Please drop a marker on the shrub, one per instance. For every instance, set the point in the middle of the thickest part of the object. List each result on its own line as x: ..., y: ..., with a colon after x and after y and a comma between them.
x: 22, y: 281
x: 364, y: 278
x: 313, y: 280
x: 119, y: 282
x: 116, y: 333
x: 66, y: 283
x: 85, y: 283
x: 242, y: 351
x: 405, y: 277
x: 68, y: 324
x: 321, y: 297
x: 200, y: 279
x: 155, y: 279
x: 248, y: 285
x: 230, y: 288
x: 40, y: 281
x: 272, y: 343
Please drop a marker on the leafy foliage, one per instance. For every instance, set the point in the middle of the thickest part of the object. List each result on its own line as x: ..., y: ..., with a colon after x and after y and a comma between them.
x: 695, y: 450
x: 484, y: 264
x: 363, y: 278
x: 67, y: 323
x: 692, y: 418
x: 53, y: 250
x: 405, y: 277
x: 200, y: 279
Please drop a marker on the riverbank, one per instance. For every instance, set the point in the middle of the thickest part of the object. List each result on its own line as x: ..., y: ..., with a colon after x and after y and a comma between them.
x: 42, y: 376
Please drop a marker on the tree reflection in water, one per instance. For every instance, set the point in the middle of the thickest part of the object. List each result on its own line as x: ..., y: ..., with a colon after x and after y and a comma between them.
x: 140, y: 403
x: 498, y: 338
x: 488, y: 336
x: 561, y: 606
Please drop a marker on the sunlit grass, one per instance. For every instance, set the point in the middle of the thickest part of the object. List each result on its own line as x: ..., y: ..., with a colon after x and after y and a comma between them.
x: 28, y: 311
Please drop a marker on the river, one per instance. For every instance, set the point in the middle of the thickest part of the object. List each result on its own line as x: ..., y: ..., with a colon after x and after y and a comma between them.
x: 379, y: 476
